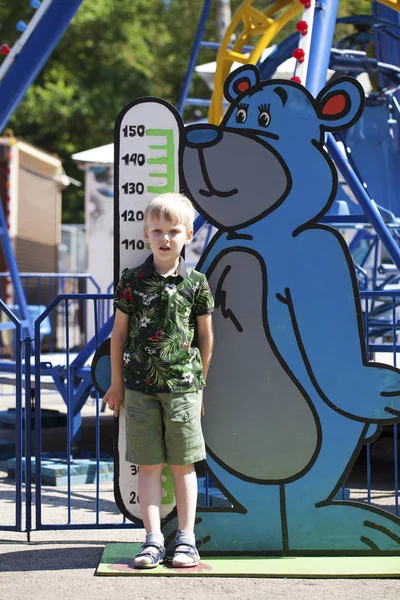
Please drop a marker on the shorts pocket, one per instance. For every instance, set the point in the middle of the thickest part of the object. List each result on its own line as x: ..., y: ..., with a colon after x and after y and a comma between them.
x: 137, y: 429
x: 185, y: 427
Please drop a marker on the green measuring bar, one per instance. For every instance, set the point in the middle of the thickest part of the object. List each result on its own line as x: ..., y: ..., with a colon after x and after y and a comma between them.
x: 168, y: 160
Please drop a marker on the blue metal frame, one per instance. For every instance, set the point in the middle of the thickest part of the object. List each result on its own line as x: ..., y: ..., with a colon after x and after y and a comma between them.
x: 18, y: 422
x: 14, y: 273
x: 28, y: 438
x: 34, y: 55
x: 322, y: 37
x: 386, y: 41
x: 73, y: 381
x: 368, y: 206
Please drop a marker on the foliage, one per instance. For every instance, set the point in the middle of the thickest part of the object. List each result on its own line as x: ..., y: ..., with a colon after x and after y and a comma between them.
x: 113, y: 52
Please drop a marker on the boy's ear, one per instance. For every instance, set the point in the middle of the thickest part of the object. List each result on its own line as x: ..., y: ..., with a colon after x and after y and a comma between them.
x: 340, y: 103
x: 189, y: 237
x: 240, y: 81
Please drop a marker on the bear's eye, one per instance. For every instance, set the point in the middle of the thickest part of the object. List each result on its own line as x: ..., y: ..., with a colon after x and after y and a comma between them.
x: 264, y: 118
x: 241, y: 114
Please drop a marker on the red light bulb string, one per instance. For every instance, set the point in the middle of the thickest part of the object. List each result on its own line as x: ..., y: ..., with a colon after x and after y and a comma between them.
x: 301, y: 54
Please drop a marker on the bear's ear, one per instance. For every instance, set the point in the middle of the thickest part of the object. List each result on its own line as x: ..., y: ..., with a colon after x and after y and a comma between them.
x: 340, y: 103
x: 241, y: 80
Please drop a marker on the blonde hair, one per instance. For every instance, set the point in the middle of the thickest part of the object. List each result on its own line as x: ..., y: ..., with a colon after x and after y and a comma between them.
x: 175, y: 208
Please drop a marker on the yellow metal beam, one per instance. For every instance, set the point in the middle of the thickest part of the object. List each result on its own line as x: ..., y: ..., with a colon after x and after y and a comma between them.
x: 251, y: 23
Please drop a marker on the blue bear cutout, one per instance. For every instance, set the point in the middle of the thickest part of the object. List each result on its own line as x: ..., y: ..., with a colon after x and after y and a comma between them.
x: 291, y: 397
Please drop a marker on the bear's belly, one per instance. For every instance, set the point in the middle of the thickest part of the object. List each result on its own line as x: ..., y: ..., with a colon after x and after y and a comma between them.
x: 257, y: 422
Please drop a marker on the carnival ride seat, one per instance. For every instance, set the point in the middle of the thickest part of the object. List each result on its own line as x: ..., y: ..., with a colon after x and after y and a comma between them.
x: 7, y: 328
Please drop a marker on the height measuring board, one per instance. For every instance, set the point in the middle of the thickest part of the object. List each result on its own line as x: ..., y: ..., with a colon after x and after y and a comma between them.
x: 146, y: 164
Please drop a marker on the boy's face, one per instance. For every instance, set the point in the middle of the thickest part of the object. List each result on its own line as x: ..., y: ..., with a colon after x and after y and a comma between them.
x: 166, y: 239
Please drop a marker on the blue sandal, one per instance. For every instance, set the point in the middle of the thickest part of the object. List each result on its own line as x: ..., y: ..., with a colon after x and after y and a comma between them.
x: 150, y: 550
x: 185, y: 550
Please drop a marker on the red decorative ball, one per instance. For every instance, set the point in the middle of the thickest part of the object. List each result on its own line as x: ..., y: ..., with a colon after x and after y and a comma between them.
x: 299, y: 54
x: 305, y: 3
x: 296, y: 79
x: 302, y: 27
x: 5, y: 49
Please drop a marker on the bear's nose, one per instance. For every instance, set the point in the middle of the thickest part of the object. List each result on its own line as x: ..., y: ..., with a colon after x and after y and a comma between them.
x: 201, y: 136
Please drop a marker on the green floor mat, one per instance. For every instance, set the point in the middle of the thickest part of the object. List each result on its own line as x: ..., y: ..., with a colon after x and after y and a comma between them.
x: 117, y: 560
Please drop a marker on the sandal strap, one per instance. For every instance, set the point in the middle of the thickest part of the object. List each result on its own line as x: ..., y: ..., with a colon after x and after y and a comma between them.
x: 148, y: 545
x: 188, y: 549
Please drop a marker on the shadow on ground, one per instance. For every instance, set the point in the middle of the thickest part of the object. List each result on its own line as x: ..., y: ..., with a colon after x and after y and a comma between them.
x: 51, y: 559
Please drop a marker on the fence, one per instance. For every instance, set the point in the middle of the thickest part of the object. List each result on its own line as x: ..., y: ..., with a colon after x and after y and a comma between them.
x: 67, y: 429
x: 41, y: 289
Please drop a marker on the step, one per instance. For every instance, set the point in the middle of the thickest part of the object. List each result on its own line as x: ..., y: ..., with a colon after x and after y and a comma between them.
x: 55, y: 471
x: 49, y: 418
x: 7, y: 450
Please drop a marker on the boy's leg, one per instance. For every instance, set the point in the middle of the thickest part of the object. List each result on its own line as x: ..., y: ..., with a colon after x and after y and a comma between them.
x: 150, y: 494
x: 185, y: 484
x: 185, y: 446
x: 145, y: 447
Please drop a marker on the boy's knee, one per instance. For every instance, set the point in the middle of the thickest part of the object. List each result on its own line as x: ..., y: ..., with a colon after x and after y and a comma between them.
x: 182, y: 469
x: 151, y: 468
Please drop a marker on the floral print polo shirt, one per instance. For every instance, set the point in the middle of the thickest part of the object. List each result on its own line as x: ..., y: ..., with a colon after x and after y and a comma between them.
x: 160, y: 354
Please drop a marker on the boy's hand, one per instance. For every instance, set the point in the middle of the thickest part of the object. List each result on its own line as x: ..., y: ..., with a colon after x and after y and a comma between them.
x: 114, y: 398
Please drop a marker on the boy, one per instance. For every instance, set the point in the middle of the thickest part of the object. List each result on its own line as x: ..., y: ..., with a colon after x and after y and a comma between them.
x: 159, y: 375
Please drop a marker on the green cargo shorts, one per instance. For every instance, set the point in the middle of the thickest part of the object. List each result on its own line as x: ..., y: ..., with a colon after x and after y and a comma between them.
x: 163, y: 428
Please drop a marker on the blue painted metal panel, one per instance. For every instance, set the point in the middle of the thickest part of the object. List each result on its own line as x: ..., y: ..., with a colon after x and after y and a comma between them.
x: 376, y: 154
x: 387, y: 46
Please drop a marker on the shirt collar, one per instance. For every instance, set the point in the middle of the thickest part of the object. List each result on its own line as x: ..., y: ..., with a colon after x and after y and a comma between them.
x: 148, y: 267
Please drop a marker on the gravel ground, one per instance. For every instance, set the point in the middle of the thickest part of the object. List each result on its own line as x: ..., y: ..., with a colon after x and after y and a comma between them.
x: 62, y: 564
x: 58, y: 566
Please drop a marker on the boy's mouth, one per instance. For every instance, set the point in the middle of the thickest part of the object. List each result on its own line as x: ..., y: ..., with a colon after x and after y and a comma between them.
x: 164, y: 248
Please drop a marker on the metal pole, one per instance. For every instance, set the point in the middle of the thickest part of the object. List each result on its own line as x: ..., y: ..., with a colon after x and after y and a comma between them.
x: 368, y: 205
x: 28, y: 438
x: 194, y: 54
x: 34, y: 54
x: 14, y: 273
x: 321, y: 43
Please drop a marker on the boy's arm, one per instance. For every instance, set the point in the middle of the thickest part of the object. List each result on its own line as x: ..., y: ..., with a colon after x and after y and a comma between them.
x: 205, y: 340
x: 115, y: 394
